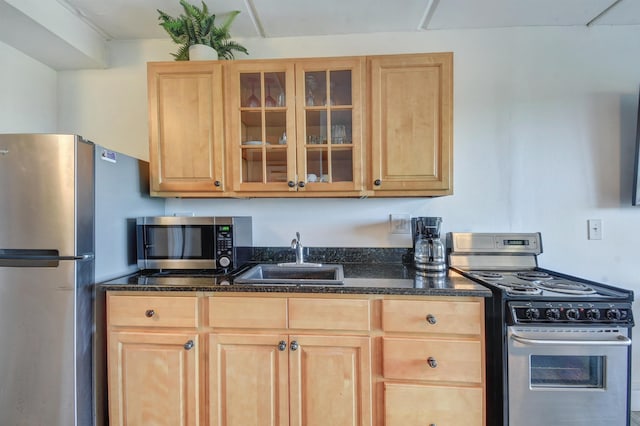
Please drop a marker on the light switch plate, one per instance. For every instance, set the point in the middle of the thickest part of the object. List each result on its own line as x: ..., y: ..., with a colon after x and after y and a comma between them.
x: 399, y: 223
x: 594, y: 231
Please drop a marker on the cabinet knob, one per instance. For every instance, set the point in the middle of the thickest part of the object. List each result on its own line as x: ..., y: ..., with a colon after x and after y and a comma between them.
x: 217, y: 183
x: 431, y: 319
x: 377, y: 182
x: 294, y: 346
x: 149, y: 313
x: 301, y: 184
x: 291, y: 184
x: 432, y: 362
x: 282, y: 346
x: 188, y: 345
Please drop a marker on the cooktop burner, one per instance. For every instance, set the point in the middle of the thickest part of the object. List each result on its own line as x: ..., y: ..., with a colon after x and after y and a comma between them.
x: 533, y: 275
x: 487, y: 275
x: 525, y: 288
x: 567, y: 287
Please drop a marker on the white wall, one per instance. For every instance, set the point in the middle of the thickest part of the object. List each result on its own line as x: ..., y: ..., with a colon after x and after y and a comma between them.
x: 28, y: 93
x: 544, y: 131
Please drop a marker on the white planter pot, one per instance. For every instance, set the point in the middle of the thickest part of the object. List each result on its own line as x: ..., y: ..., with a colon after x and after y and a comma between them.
x: 200, y: 52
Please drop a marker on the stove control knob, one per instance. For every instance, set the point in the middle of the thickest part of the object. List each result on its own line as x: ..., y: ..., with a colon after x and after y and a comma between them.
x: 532, y: 313
x: 613, y: 314
x: 552, y: 314
x: 573, y: 314
x: 593, y: 314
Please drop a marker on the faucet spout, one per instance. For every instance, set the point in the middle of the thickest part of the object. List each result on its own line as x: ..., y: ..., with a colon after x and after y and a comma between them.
x: 297, y: 246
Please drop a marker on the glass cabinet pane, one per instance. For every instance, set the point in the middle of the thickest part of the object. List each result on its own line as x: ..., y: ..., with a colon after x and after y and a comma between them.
x: 250, y: 93
x: 275, y: 89
x: 251, y: 128
x: 342, y: 165
x: 340, y: 87
x: 252, y: 165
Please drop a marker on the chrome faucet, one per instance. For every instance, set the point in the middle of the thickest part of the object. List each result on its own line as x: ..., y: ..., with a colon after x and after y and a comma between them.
x: 297, y: 246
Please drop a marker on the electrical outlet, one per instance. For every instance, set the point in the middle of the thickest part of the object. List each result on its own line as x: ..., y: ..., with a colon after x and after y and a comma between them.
x: 594, y: 231
x: 399, y: 223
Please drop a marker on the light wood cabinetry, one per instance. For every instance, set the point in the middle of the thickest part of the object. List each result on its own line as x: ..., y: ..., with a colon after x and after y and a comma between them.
x: 433, y: 364
x: 411, y: 125
x: 316, y: 127
x: 226, y: 359
x: 186, y: 133
x: 291, y: 374
x: 295, y: 126
x: 153, y: 361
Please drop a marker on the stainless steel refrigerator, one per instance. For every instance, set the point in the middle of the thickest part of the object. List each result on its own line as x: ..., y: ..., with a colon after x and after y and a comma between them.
x: 64, y: 209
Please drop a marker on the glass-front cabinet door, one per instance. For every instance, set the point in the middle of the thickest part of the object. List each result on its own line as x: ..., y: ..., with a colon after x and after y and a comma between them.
x: 295, y: 126
x: 329, y: 124
x: 261, y: 125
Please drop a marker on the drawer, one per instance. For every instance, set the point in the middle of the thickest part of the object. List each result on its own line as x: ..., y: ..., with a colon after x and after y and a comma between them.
x: 330, y: 314
x: 248, y: 312
x: 440, y: 317
x: 417, y: 405
x: 152, y: 311
x: 453, y: 360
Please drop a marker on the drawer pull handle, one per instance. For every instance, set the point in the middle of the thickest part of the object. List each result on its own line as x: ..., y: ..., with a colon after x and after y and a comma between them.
x: 188, y: 345
x: 431, y: 319
x: 149, y: 313
x: 282, y: 345
x: 294, y: 346
x: 432, y: 362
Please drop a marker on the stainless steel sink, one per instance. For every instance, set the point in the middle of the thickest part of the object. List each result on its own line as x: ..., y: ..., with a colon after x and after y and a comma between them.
x: 292, y: 274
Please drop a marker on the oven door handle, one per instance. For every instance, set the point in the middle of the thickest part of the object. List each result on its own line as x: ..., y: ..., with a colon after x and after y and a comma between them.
x: 620, y: 341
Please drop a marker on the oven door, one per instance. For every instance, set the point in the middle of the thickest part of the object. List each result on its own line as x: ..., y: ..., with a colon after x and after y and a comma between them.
x: 567, y: 375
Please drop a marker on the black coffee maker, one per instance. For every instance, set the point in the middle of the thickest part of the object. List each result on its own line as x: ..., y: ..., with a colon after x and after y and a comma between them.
x: 428, y: 250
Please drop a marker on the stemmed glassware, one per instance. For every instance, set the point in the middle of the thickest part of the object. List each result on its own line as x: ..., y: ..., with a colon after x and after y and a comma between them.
x: 253, y: 100
x: 269, y: 101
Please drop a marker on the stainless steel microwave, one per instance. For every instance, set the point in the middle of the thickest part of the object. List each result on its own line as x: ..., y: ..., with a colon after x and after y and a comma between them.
x: 188, y: 242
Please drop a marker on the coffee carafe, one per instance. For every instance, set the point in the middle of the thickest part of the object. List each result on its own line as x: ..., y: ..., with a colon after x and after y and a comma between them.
x: 427, y: 248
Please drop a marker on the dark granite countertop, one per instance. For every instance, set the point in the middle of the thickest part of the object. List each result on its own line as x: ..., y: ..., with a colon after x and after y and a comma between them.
x: 359, y: 278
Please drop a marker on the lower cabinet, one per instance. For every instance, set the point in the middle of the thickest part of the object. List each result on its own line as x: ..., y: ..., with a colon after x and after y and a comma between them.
x: 285, y: 379
x: 301, y: 360
x: 153, y: 378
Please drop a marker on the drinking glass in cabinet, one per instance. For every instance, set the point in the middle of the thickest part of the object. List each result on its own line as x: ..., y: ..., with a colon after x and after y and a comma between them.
x: 269, y: 101
x: 250, y: 88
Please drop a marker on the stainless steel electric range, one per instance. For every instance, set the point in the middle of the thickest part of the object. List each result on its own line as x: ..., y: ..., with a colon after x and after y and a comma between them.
x: 558, y: 346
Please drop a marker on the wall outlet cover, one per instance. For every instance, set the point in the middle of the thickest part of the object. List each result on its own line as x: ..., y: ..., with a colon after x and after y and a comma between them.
x: 399, y: 223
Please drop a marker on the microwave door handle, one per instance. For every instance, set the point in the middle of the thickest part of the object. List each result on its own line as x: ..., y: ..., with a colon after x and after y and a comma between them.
x: 620, y: 341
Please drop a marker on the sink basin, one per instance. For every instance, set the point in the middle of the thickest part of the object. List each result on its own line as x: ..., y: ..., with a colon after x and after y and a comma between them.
x: 292, y: 274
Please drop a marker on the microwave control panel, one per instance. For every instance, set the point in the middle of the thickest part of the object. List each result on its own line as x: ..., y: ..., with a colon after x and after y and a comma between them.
x: 224, y: 245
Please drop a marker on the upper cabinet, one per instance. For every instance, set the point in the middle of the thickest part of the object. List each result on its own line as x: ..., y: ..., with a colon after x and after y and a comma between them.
x: 295, y: 126
x: 411, y: 125
x: 318, y: 127
x: 186, y: 134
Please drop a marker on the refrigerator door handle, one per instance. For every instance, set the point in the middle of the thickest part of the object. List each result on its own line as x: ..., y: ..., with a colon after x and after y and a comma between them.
x: 37, y: 258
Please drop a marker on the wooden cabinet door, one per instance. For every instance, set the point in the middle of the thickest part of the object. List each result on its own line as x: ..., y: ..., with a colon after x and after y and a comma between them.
x: 330, y: 379
x: 261, y: 139
x: 153, y: 379
x: 248, y: 380
x: 329, y: 117
x: 411, y: 124
x: 186, y: 135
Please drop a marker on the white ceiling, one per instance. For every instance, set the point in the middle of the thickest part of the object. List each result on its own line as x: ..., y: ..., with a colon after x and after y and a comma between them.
x: 43, y: 29
x: 134, y: 19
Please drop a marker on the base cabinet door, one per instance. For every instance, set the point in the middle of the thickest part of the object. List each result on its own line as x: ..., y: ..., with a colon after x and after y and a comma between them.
x: 284, y: 380
x: 248, y: 381
x: 421, y: 405
x: 330, y: 380
x: 153, y: 379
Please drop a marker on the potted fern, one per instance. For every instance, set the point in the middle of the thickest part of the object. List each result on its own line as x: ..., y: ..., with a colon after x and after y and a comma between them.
x: 197, y: 27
